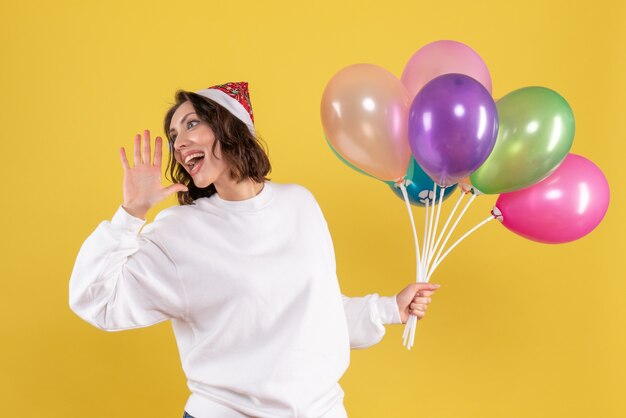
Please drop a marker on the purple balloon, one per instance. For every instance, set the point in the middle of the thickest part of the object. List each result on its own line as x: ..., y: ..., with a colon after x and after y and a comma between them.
x: 453, y: 125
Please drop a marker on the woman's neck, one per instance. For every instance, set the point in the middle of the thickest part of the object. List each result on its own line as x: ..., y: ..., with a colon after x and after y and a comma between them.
x: 232, y: 190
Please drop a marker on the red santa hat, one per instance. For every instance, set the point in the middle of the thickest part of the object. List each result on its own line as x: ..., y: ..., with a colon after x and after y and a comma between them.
x: 235, y: 98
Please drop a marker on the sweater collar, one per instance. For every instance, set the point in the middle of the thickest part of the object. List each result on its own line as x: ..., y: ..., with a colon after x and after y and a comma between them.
x: 248, y: 205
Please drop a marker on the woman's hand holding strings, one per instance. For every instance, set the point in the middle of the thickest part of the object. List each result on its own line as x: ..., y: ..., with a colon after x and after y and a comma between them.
x: 414, y: 299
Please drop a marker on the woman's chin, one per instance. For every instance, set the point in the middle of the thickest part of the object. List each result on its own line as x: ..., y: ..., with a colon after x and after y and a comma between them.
x: 202, y: 183
x: 204, y: 179
x: 200, y: 178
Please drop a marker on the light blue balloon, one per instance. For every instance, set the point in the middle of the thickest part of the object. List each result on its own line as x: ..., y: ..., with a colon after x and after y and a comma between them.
x: 420, y: 187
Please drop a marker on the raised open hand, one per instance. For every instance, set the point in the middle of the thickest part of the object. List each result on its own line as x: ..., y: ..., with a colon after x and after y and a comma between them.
x: 142, y: 187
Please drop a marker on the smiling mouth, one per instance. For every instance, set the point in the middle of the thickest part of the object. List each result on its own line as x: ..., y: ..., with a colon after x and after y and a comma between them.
x: 193, y: 160
x: 195, y: 166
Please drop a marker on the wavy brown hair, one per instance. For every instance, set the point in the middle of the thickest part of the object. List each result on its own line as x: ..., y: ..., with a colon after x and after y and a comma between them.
x: 243, y: 151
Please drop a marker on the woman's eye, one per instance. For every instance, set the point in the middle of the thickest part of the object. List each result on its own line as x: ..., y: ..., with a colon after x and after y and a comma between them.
x: 173, y: 136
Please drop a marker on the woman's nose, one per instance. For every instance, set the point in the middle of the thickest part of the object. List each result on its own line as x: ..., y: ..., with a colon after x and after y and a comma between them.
x: 180, y: 142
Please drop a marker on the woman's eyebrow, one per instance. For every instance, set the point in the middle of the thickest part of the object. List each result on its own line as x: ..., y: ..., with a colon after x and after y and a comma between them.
x: 183, y: 120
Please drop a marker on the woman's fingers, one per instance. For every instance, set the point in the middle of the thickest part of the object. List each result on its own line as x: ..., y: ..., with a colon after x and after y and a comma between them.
x: 427, y: 286
x: 142, y: 154
x: 419, y: 314
x: 421, y: 293
x: 157, y: 151
x: 425, y: 293
x: 137, y: 155
x: 124, y: 159
x: 418, y: 306
x: 146, y: 147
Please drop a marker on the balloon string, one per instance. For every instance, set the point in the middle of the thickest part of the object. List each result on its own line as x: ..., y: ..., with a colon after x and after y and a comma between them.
x: 409, y: 329
x: 445, y: 226
x: 425, y: 259
x: 427, y: 244
x: 432, y: 246
x: 412, y: 318
x: 490, y: 218
x: 456, y: 222
x: 415, y: 239
x: 413, y: 326
x: 408, y: 325
x: 425, y: 235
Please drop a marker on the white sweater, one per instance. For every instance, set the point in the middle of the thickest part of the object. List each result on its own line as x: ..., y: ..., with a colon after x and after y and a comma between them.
x: 251, y: 289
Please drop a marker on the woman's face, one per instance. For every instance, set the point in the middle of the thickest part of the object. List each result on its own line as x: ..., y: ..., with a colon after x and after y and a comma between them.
x: 193, y: 140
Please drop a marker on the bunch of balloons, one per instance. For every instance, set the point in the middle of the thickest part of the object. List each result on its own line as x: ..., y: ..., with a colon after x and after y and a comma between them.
x: 439, y: 127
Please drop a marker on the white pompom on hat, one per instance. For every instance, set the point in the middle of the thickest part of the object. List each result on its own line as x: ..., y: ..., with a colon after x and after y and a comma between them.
x: 235, y: 98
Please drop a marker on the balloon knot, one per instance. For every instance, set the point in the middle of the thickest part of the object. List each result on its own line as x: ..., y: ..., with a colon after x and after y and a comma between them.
x: 399, y: 181
x: 496, y: 213
x: 466, y: 188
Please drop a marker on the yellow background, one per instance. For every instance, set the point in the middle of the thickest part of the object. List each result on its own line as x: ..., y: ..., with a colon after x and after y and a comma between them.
x: 518, y: 329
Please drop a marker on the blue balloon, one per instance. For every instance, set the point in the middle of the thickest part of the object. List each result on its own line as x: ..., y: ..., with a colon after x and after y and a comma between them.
x: 420, y: 186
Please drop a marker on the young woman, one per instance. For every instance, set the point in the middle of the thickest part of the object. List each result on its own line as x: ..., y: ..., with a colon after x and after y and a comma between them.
x: 243, y: 267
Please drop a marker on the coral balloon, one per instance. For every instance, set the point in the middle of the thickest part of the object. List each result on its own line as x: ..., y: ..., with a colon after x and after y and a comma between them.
x: 565, y: 206
x: 364, y: 112
x: 419, y: 186
x: 343, y: 160
x: 443, y: 57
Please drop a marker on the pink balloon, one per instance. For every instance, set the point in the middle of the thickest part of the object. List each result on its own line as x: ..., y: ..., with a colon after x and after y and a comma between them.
x: 443, y: 57
x: 565, y: 206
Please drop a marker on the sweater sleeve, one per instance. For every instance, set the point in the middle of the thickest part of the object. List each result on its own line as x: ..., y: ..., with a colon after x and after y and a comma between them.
x: 367, y: 317
x: 123, y: 279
